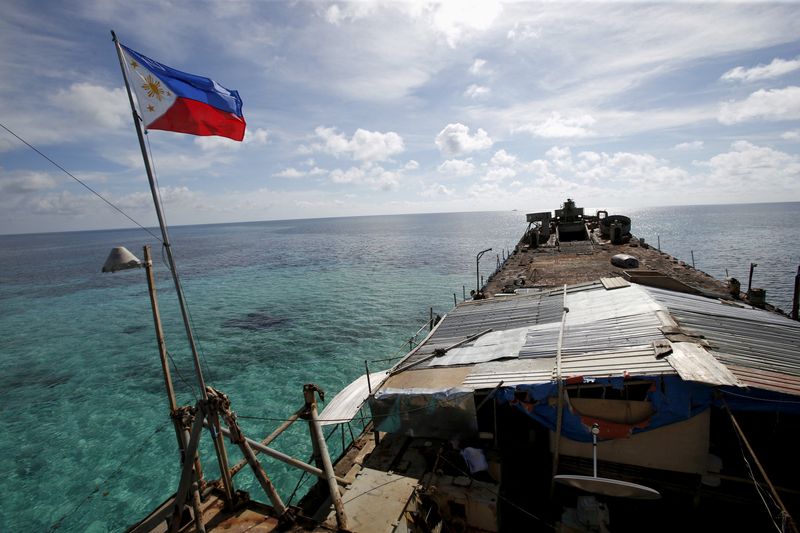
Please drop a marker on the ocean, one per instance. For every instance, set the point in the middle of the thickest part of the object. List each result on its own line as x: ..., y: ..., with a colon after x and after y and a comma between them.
x: 87, y: 443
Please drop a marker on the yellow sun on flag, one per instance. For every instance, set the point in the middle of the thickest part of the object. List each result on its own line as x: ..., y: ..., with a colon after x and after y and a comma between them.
x: 153, y: 87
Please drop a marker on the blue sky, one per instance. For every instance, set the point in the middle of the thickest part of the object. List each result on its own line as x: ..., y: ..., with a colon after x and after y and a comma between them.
x: 403, y: 107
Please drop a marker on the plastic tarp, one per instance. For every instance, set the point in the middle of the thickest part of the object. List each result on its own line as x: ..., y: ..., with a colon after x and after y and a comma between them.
x: 435, y: 413
x: 672, y: 399
x: 492, y: 346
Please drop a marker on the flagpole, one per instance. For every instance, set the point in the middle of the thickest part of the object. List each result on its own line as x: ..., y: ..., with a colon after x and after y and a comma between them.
x: 218, y: 442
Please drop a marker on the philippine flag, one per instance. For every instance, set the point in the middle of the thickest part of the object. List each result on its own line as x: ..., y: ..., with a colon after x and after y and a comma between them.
x: 172, y: 100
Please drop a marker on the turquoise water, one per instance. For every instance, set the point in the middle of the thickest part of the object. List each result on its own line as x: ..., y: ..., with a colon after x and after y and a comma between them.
x: 87, y: 445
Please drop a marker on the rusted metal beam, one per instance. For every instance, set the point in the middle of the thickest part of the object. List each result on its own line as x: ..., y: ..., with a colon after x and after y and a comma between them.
x: 280, y: 456
x: 268, y: 440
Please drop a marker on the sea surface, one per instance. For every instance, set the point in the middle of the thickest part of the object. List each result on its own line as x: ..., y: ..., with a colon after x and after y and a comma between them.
x: 87, y: 444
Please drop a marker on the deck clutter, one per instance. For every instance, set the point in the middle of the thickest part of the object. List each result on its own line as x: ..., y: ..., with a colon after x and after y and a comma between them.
x: 599, y: 393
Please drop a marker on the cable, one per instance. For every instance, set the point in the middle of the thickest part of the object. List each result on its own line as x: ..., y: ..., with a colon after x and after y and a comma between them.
x: 65, y: 171
x: 759, y: 399
x: 57, y: 524
x: 180, y: 376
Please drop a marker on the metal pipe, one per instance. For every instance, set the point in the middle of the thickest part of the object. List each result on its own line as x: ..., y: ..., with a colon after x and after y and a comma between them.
x: 267, y: 440
x: 560, y: 405
x: 310, y: 391
x: 218, y: 443
x: 478, y: 269
x: 796, y: 299
x: 750, y: 279
x: 280, y: 456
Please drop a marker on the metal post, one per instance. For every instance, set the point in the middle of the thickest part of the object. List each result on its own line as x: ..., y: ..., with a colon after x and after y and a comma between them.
x: 309, y: 391
x: 455, y: 300
x: 478, y: 269
x: 796, y: 298
x: 560, y: 405
x: 692, y: 252
x: 659, y: 242
x: 430, y: 324
x: 595, y: 431
x: 750, y: 280
x: 218, y: 442
x: 464, y: 292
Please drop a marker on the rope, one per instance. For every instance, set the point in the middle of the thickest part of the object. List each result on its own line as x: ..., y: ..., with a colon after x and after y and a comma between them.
x: 57, y: 524
x: 65, y: 171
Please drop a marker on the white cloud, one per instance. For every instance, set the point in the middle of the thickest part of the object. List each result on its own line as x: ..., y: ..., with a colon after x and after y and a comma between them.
x: 94, y: 105
x: 362, y: 146
x: 777, y: 68
x: 455, y: 139
x: 23, y: 182
x: 477, y: 92
x: 349, y: 12
x: 747, y: 165
x: 522, y: 32
x: 411, y: 165
x: 290, y: 172
x: 368, y: 174
x: 458, y: 19
x: 503, y: 159
x: 252, y: 137
x: 436, y: 190
x: 688, y: 146
x: 478, y: 67
x: 557, y: 126
x: 792, y: 135
x: 499, y: 174
x: 457, y: 167
x: 772, y: 105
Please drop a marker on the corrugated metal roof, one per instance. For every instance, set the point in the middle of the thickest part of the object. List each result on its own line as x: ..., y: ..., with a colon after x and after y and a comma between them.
x: 515, y: 372
x: 499, y: 314
x: 599, y: 320
x: 767, y: 379
x: 611, y: 333
x: 746, y: 338
x: 633, y: 360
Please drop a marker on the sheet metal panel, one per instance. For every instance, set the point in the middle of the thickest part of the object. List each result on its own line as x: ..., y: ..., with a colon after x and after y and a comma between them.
x: 499, y: 314
x: 766, y: 379
x: 695, y: 363
x: 635, y: 360
x: 743, y: 337
x: 345, y: 405
x: 599, y: 319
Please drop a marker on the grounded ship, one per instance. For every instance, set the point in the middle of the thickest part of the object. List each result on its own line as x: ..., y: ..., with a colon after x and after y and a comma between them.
x: 592, y: 384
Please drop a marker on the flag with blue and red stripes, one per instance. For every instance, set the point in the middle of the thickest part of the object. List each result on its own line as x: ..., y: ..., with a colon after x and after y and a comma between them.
x: 172, y: 100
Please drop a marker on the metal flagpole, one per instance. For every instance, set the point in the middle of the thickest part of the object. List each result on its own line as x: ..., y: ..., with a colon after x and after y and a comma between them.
x: 218, y: 442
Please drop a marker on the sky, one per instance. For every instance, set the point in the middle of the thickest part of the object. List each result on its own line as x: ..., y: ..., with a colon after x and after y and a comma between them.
x: 379, y: 107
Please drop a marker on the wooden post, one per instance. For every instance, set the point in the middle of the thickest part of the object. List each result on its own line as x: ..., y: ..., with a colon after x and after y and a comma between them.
x: 455, y: 300
x: 464, y: 292
x: 162, y: 347
x: 692, y: 252
x: 659, y: 242
x: 430, y: 323
x: 309, y: 392
x: 750, y: 279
